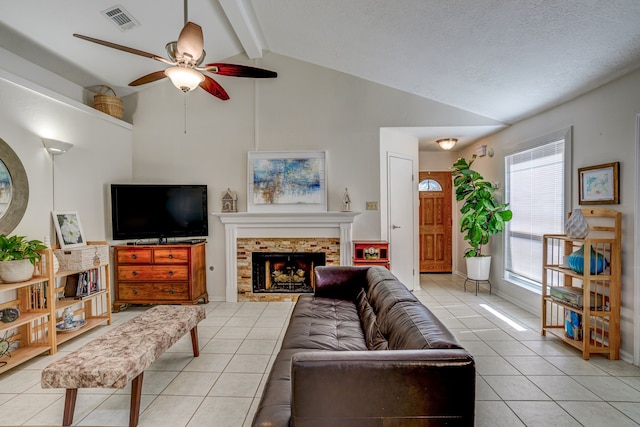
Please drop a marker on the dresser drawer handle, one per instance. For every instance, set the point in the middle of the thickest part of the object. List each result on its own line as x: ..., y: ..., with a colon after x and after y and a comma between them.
x: 171, y: 291
x: 170, y: 256
x: 134, y: 256
x: 135, y: 292
x: 171, y: 273
x: 134, y: 273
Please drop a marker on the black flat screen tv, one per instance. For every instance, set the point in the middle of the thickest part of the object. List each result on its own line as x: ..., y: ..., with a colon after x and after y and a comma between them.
x: 158, y: 211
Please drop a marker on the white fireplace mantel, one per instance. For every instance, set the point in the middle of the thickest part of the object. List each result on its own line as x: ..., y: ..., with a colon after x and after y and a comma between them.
x: 278, y: 225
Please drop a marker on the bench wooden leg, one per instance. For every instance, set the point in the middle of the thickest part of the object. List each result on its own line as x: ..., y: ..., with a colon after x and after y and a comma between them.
x: 136, y: 395
x: 69, y: 406
x: 194, y: 341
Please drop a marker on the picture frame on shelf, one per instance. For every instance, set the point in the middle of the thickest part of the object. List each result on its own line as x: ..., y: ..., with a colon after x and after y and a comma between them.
x: 68, y: 229
x: 599, y: 184
x: 287, y: 181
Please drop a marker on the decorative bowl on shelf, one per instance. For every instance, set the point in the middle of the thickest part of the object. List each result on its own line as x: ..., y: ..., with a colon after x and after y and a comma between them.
x: 9, y: 314
x: 74, y: 326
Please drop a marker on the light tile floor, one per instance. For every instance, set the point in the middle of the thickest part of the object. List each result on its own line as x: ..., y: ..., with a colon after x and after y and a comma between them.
x: 523, y: 379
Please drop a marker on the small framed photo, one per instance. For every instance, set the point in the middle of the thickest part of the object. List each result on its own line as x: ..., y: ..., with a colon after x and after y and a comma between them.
x: 68, y: 229
x: 598, y: 185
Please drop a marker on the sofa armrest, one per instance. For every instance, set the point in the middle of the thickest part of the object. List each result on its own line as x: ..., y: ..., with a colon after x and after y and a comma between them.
x: 340, y: 282
x: 400, y: 387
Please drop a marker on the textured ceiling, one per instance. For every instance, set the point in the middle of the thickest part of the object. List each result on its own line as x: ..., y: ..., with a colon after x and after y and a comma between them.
x: 503, y: 59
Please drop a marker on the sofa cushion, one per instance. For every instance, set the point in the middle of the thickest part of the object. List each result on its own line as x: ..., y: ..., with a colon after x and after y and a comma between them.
x: 324, y: 324
x: 412, y: 326
x: 384, y: 291
x: 374, y: 338
x: 339, y: 282
x: 275, y: 405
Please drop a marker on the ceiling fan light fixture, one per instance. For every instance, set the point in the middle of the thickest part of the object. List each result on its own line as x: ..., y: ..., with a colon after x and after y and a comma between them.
x: 447, y: 143
x: 185, y: 79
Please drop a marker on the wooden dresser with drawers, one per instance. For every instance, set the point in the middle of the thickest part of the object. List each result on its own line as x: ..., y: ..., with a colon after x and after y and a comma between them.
x: 159, y: 274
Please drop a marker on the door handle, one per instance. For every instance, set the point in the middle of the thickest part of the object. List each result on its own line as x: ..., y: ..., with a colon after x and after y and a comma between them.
x: 393, y: 227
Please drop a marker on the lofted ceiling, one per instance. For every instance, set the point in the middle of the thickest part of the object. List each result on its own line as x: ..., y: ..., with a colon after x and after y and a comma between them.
x: 503, y: 59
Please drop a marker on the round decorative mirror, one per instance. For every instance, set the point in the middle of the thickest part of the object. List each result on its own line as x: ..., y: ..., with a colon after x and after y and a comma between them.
x: 14, y: 189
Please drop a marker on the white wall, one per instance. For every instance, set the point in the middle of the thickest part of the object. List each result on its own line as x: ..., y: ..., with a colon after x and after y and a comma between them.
x: 437, y: 160
x: 101, y: 153
x: 604, y: 126
x: 306, y: 107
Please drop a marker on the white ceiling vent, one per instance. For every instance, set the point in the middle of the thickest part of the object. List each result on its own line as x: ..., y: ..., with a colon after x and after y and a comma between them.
x: 121, y: 18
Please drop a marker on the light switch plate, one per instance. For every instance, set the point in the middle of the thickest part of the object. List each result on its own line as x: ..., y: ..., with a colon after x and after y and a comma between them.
x: 372, y: 206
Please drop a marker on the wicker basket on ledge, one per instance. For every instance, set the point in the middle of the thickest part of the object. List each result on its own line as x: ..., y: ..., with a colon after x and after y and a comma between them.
x: 108, y: 103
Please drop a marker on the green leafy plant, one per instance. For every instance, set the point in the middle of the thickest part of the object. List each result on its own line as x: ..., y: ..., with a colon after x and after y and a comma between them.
x: 17, y: 247
x: 482, y: 216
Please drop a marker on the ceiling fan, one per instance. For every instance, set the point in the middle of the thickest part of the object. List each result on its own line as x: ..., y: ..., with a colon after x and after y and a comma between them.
x: 186, y: 56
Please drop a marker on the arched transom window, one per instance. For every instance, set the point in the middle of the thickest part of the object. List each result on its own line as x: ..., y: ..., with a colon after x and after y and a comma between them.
x: 429, y: 185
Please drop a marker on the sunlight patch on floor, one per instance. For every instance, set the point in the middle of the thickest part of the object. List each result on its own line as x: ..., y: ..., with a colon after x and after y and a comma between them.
x: 504, y: 318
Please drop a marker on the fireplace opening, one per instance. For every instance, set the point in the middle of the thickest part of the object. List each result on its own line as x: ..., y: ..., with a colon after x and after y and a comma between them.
x: 285, y: 272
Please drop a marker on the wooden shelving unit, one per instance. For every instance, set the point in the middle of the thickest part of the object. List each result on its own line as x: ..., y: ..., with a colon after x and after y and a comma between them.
x: 597, y: 290
x: 30, y: 330
x: 95, y: 308
x: 38, y: 300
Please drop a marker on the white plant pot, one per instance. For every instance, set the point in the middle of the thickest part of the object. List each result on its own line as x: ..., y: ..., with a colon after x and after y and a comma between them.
x: 16, y: 271
x: 478, y: 268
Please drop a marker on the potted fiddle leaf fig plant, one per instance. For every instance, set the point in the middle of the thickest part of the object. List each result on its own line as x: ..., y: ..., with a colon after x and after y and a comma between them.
x: 481, y: 215
x: 18, y: 257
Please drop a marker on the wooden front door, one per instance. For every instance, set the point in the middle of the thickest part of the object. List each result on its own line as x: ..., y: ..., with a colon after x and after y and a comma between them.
x: 435, y: 222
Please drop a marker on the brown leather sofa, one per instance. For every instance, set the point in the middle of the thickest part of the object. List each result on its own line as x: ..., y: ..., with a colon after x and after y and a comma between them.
x: 364, y: 352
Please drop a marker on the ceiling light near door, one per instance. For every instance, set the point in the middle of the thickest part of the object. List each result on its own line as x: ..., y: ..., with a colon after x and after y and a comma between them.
x: 185, y: 79
x: 447, y: 143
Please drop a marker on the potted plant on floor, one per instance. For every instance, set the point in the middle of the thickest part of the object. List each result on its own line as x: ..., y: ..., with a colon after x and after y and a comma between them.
x: 18, y: 257
x: 481, y: 215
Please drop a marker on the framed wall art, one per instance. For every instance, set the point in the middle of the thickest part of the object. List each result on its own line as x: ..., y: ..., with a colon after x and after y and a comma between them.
x: 287, y: 181
x: 68, y: 229
x: 599, y: 185
x: 14, y: 189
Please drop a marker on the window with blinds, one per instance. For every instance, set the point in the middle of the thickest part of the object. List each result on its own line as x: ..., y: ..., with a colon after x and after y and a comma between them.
x: 535, y: 191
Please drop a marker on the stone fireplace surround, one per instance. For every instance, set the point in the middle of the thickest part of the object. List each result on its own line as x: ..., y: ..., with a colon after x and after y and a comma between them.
x: 300, y: 248
x: 281, y: 226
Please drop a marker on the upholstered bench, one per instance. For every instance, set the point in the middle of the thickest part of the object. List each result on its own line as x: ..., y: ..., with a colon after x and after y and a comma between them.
x: 122, y: 354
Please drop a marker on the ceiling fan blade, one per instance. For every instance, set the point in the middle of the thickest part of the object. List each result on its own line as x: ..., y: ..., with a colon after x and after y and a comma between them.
x: 214, y: 88
x: 239, y: 71
x: 151, y: 77
x: 191, y: 40
x: 120, y: 47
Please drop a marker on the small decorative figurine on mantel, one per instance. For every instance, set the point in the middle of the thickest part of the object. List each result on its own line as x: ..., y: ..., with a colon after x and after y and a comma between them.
x: 229, y: 201
x: 346, y: 201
